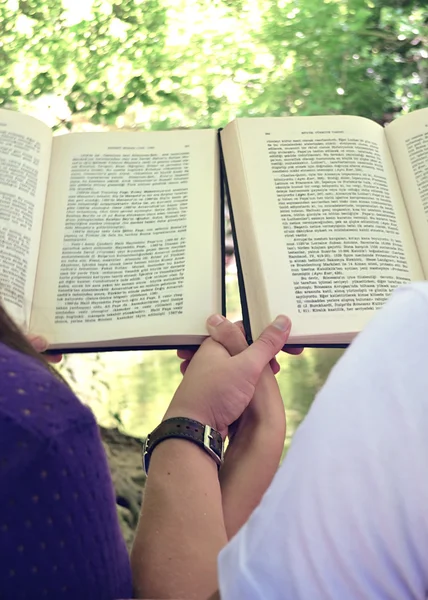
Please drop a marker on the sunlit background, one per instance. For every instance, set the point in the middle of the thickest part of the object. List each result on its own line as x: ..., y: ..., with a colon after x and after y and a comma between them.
x: 156, y: 64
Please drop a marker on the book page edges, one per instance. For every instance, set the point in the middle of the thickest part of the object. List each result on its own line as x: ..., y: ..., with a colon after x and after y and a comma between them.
x: 161, y: 342
x: 322, y: 327
x: 256, y: 294
x: 202, y: 293
x: 397, y: 132
x: 218, y: 257
x: 27, y: 125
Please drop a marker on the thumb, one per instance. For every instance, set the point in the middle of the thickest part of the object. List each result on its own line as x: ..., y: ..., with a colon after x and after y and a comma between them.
x: 255, y: 358
x: 229, y: 335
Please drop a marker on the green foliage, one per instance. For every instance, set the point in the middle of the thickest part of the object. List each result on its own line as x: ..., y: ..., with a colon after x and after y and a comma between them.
x: 353, y: 57
x: 164, y: 63
x: 300, y: 378
x: 144, y: 391
x: 101, y: 64
x: 127, y: 390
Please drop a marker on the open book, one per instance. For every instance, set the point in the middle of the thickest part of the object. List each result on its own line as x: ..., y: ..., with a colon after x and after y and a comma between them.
x: 112, y: 240
x: 109, y: 240
x: 331, y: 215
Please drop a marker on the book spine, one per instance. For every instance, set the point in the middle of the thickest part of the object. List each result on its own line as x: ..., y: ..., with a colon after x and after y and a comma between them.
x: 241, y: 283
x: 222, y: 228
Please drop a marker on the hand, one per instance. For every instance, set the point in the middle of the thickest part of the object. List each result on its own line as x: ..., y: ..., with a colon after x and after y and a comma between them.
x: 187, y: 354
x: 40, y: 345
x: 217, y: 387
x: 266, y: 406
x: 257, y: 411
x: 295, y: 350
x: 256, y: 439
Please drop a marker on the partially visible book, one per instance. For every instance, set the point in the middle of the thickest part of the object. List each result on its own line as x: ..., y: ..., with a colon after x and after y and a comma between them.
x: 109, y: 240
x: 330, y: 214
x: 115, y: 240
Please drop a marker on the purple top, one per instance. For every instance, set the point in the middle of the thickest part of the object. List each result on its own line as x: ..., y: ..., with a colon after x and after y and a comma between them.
x: 59, y: 531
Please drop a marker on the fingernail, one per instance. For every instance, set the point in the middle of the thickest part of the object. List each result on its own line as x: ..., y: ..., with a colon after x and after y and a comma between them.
x: 215, y: 320
x: 39, y: 344
x: 281, y: 322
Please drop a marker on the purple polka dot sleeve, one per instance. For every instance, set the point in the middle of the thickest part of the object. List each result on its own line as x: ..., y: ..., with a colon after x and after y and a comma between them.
x: 59, y: 532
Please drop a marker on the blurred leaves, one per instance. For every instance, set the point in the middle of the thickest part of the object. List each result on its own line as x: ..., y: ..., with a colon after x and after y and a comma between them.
x: 127, y: 390
x: 164, y: 63
x: 355, y: 57
x: 100, y: 64
x: 300, y: 378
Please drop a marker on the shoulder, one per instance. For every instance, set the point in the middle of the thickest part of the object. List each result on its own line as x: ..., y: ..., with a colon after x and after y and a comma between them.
x: 40, y: 419
x: 33, y: 399
x: 56, y: 494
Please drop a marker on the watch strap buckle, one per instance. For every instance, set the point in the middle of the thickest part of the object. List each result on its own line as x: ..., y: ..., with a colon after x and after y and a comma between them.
x: 207, y: 445
x: 204, y: 436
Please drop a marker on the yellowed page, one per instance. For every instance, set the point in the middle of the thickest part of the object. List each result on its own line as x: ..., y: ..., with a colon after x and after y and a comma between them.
x: 131, y: 242
x: 408, y: 141
x: 25, y: 148
x: 322, y: 227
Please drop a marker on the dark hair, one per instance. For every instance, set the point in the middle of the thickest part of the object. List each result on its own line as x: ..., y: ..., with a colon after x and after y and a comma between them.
x: 11, y: 336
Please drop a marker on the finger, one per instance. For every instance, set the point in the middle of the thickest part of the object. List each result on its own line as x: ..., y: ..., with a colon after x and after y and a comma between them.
x: 186, y: 354
x: 183, y: 366
x: 209, y: 350
x: 254, y: 359
x: 288, y: 349
x: 274, y: 365
x: 293, y: 350
x: 229, y: 335
x: 53, y: 358
x: 240, y: 325
x: 39, y: 343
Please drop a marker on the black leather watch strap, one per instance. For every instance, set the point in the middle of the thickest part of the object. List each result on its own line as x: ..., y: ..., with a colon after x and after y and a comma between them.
x: 180, y: 427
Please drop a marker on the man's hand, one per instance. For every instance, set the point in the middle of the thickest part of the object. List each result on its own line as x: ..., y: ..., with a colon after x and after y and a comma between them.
x: 217, y: 388
x: 181, y: 529
x: 256, y: 439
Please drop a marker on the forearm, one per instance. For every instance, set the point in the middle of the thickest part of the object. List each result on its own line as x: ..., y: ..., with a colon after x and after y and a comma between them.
x: 181, y: 528
x: 253, y: 455
x: 247, y: 473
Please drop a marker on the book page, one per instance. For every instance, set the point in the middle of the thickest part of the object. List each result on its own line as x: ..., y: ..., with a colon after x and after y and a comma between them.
x: 25, y: 148
x: 408, y: 141
x: 331, y: 233
x: 131, y: 238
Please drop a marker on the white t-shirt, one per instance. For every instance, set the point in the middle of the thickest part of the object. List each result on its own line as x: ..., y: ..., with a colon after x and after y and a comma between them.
x: 346, y: 516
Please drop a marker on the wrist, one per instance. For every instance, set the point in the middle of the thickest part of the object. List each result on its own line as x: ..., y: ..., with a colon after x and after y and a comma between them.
x: 188, y: 430
x: 268, y: 427
x: 195, y: 415
x: 182, y: 453
x: 259, y: 443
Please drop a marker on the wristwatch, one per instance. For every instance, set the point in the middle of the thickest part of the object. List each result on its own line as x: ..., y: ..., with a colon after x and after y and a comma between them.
x: 180, y: 427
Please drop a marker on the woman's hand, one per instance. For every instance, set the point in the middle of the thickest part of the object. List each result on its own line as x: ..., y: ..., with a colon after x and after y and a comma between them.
x: 217, y: 387
x: 40, y: 345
